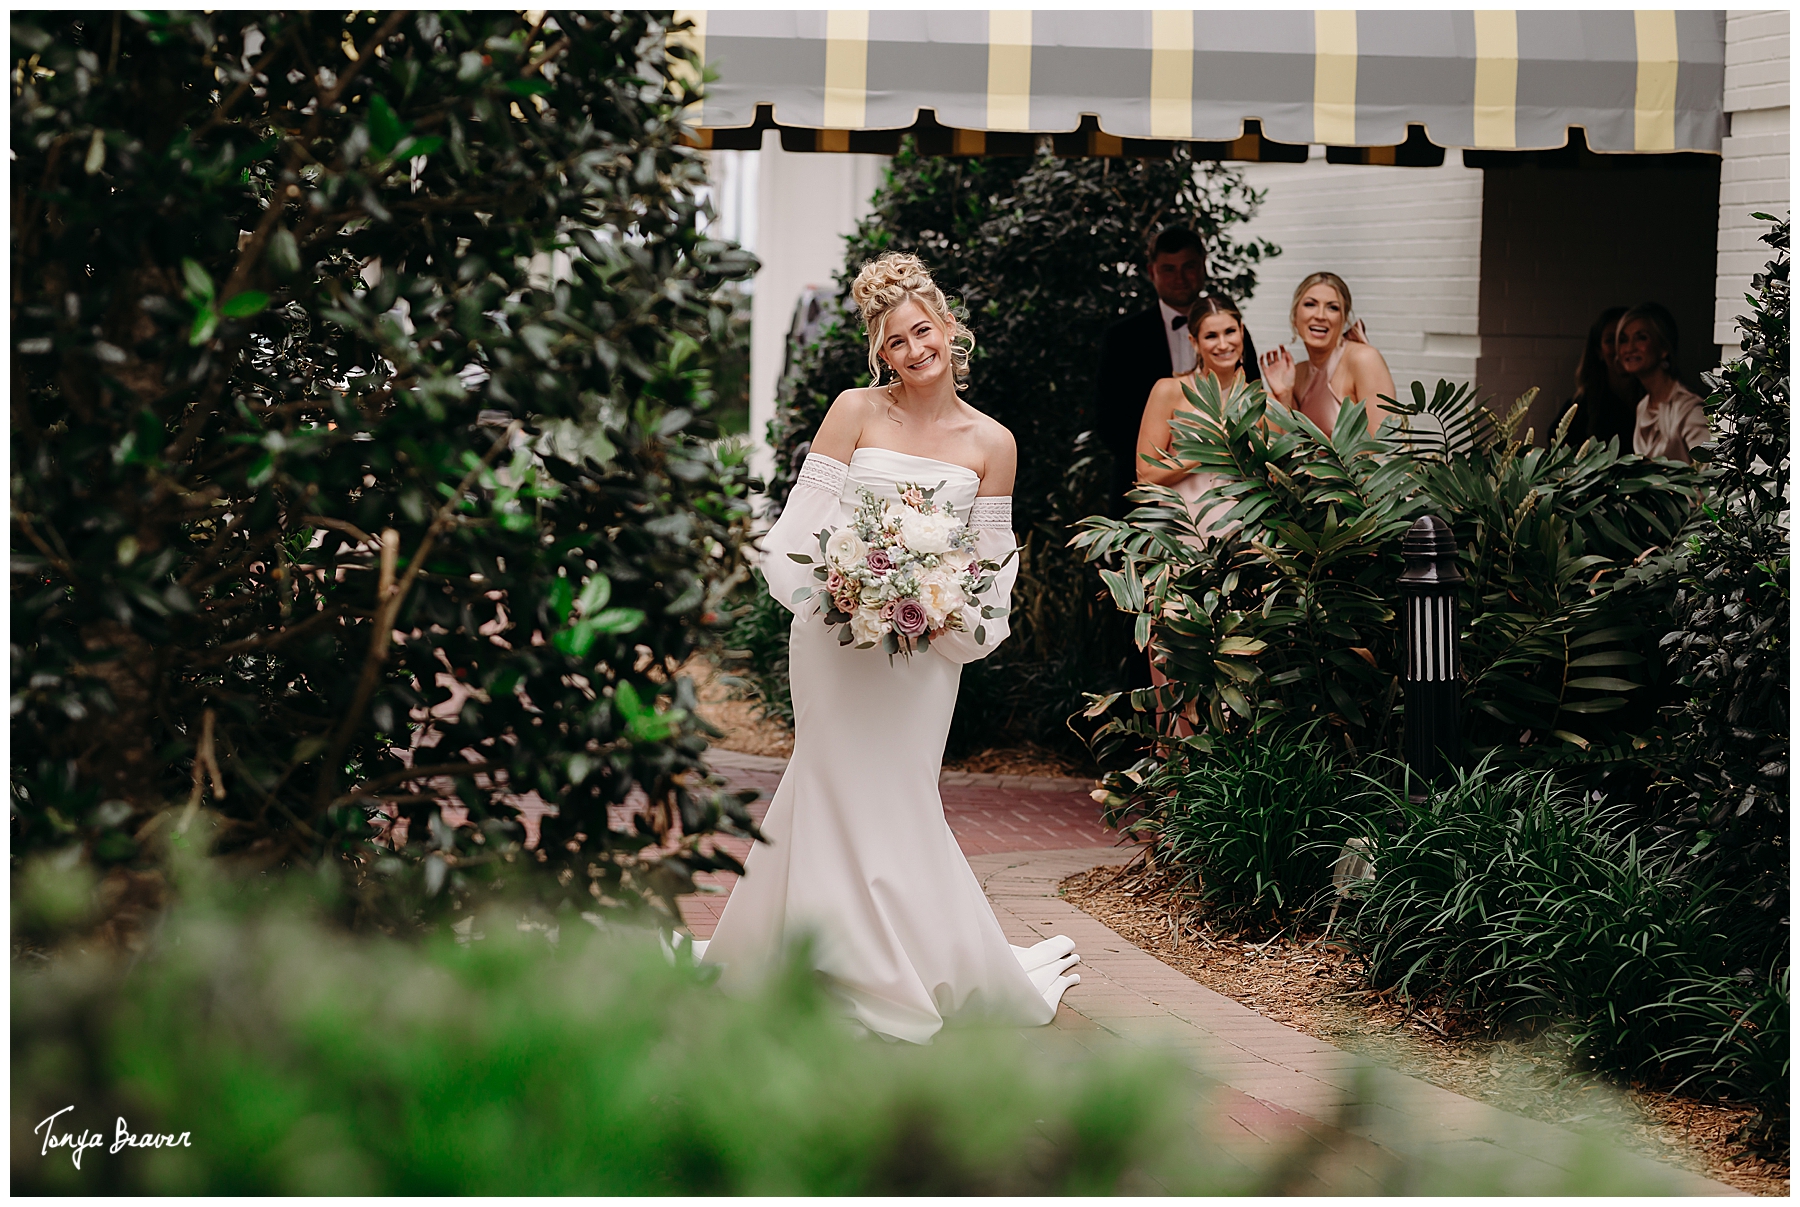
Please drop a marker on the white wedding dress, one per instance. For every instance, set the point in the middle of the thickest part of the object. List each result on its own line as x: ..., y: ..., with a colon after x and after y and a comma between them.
x: 859, y: 854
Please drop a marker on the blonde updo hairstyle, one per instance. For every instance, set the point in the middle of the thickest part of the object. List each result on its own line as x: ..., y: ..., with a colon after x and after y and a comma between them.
x: 890, y: 281
x: 1321, y: 278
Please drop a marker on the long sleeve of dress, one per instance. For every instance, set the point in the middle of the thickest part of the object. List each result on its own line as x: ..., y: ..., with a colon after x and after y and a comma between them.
x: 814, y: 504
x: 991, y: 518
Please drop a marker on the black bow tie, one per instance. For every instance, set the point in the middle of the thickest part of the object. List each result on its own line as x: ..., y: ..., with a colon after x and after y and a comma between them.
x: 1179, y: 320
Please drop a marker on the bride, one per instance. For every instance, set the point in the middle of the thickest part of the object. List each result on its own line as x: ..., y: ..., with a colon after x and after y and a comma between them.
x: 859, y: 854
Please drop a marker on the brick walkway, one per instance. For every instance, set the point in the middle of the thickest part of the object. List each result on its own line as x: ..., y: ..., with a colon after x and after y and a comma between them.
x: 1266, y: 1087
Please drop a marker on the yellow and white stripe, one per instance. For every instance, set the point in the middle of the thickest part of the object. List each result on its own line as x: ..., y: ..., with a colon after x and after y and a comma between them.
x: 1334, y: 78
x: 846, y: 70
x: 1171, y: 73
x: 1659, y: 64
x: 1009, y: 69
x: 1496, y: 79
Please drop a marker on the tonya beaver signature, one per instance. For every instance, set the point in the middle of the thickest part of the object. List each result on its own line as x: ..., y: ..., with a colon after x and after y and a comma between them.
x: 79, y: 1142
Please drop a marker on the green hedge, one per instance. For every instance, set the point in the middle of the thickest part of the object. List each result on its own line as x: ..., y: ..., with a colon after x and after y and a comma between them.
x: 531, y: 1054
x: 331, y: 326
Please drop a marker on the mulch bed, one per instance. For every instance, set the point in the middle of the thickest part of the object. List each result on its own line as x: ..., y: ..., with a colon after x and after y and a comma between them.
x: 1026, y: 759
x: 728, y: 707
x: 1313, y: 985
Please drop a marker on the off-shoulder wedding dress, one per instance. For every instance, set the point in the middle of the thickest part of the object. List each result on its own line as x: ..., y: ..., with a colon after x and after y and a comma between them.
x: 859, y: 854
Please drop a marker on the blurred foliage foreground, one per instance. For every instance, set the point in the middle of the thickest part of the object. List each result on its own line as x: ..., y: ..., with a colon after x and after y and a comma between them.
x: 361, y: 450
x: 515, y: 1059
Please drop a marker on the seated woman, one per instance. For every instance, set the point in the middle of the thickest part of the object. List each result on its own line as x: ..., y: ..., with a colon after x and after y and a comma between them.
x: 1671, y: 421
x: 1340, y: 364
x: 1606, y: 396
x: 1217, y: 331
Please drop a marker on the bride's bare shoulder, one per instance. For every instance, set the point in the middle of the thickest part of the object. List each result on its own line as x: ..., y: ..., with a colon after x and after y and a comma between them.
x: 990, y: 435
x: 841, y: 433
x: 999, y: 454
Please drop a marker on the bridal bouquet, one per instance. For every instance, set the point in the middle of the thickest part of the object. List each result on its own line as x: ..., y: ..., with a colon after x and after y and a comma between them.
x: 901, y: 573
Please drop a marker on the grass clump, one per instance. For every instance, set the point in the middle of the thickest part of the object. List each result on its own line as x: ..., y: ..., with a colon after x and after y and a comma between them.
x: 1249, y: 829
x: 1525, y: 901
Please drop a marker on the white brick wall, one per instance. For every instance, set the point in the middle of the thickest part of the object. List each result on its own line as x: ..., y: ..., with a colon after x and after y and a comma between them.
x: 1754, y: 174
x: 1406, y: 240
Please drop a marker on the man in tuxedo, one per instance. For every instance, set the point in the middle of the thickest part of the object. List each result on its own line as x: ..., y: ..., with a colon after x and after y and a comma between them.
x: 1135, y: 354
x: 1139, y: 351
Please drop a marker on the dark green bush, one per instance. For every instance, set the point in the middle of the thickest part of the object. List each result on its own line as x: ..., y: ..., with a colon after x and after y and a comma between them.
x: 1732, y: 1038
x: 355, y: 351
x: 1250, y: 828
x: 1728, y: 636
x: 1525, y: 901
x: 303, y: 1061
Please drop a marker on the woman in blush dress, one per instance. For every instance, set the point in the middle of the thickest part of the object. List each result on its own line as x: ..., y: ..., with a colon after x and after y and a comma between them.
x: 1340, y: 366
x: 859, y: 854
x: 1217, y: 330
x: 1671, y: 421
x: 1220, y: 340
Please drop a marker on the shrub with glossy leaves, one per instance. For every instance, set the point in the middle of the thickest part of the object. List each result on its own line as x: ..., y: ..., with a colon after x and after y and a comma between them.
x: 1729, y: 638
x: 359, y: 446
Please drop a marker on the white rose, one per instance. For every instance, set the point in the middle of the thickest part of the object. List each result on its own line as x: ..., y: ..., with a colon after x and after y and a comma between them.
x: 844, y: 549
x: 865, y: 627
x: 928, y: 533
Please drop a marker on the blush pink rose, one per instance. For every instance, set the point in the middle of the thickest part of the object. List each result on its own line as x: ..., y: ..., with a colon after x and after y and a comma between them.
x: 879, y: 561
x: 909, y: 617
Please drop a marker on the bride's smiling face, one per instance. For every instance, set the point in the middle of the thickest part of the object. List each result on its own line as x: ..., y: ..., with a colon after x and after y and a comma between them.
x: 1319, y: 317
x: 914, y: 345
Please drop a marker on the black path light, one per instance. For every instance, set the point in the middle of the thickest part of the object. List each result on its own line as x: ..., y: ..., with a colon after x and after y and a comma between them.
x: 1433, y: 687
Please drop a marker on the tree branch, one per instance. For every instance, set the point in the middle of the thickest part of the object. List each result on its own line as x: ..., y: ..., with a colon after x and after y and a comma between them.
x: 536, y: 65
x: 63, y: 567
x: 391, y: 594
x: 433, y: 771
x: 344, y: 526
x: 244, y: 85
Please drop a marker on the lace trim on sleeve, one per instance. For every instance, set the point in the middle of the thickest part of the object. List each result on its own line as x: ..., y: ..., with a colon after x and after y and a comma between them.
x: 822, y: 472
x: 994, y: 511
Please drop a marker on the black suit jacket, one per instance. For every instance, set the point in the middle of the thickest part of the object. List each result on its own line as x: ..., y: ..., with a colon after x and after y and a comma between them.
x: 1134, y: 356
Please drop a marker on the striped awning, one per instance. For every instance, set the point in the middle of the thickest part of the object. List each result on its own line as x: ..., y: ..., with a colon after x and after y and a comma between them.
x: 1633, y: 81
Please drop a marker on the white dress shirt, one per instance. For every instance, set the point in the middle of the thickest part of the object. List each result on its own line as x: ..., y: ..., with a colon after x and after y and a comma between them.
x: 1181, y: 348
